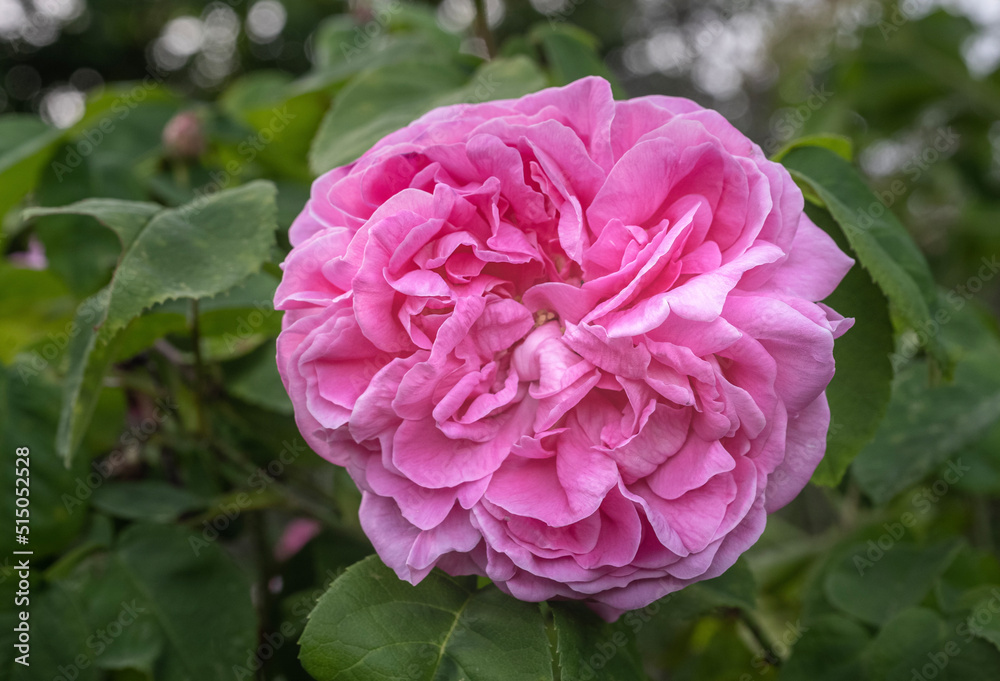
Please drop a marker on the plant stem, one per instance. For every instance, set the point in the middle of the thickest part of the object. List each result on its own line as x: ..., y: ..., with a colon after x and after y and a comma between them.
x: 265, y: 568
x: 199, y: 372
x: 761, y: 637
x: 483, y: 28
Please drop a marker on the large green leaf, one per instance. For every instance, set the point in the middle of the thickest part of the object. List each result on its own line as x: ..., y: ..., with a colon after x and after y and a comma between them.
x: 385, y: 99
x: 860, y: 390
x: 197, y: 250
x: 397, y: 33
x: 585, y: 643
x: 371, y: 626
x: 183, y: 616
x: 927, y: 423
x: 125, y: 218
x: 376, y: 103
x: 877, y: 237
x: 202, y: 604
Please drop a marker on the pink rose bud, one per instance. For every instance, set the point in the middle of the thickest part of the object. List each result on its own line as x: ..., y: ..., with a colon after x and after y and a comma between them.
x: 568, y: 343
x: 183, y: 136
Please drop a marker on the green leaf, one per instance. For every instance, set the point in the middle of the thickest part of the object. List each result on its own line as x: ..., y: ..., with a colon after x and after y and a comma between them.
x: 89, y: 360
x: 255, y: 379
x: 385, y: 99
x: 334, y: 39
x: 860, y: 390
x: 971, y: 570
x: 198, y: 250
x: 143, y: 332
x: 36, y: 307
x: 125, y: 218
x: 376, y: 103
x: 874, y: 583
x: 25, y: 146
x: 151, y: 500
x: 190, y: 615
x: 403, y: 32
x: 370, y: 625
x: 879, y: 240
x: 28, y: 415
x: 571, y: 53
x: 279, y: 123
x: 830, y: 650
x: 838, y: 144
x: 904, y: 643
x: 976, y: 660
x: 927, y: 423
x: 58, y: 640
x: 585, y: 643
x: 984, y: 621
x: 918, y: 643
x: 735, y: 588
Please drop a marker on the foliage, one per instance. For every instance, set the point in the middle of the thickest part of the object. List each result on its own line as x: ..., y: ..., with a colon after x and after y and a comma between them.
x: 181, y: 529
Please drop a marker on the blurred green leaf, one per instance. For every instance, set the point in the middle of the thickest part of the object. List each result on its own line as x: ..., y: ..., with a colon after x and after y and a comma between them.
x: 255, y: 379
x: 25, y: 146
x: 874, y: 583
x: 971, y: 569
x: 881, y: 243
x: 58, y: 636
x: 280, y: 124
x: 905, y: 642
x: 35, y: 307
x: 385, y: 99
x: 830, y: 650
x: 571, y: 53
x: 371, y: 625
x: 186, y: 604
x: 150, y: 500
x: 58, y: 496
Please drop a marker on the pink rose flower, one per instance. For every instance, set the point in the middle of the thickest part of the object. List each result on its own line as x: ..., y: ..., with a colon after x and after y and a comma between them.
x: 568, y: 343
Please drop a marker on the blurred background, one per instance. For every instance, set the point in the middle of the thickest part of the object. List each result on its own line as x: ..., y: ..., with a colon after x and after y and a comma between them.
x: 890, y: 75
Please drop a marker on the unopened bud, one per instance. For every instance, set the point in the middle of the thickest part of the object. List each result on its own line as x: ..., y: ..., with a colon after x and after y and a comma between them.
x: 183, y: 136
